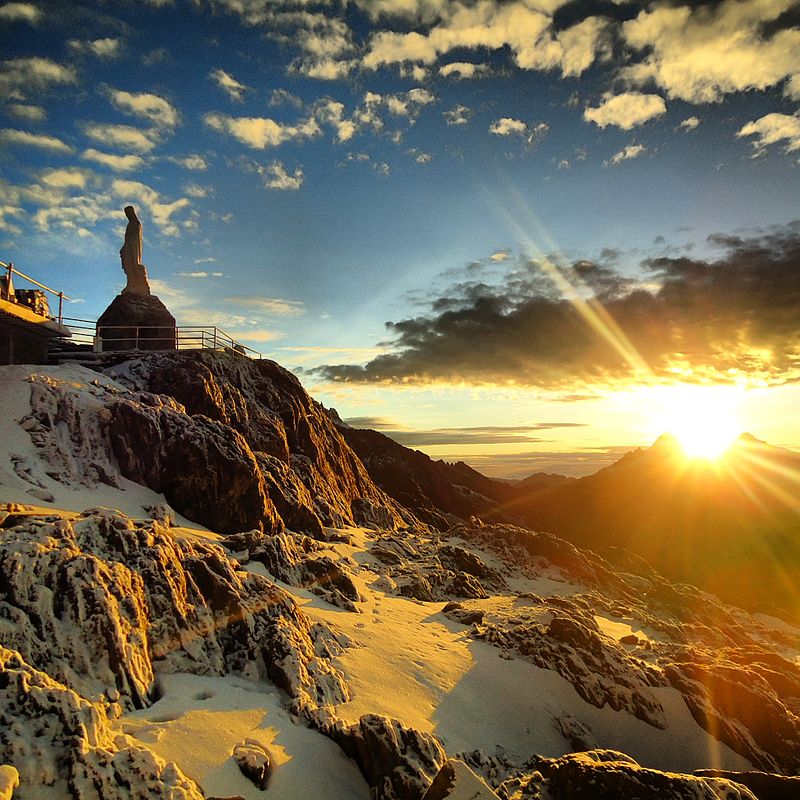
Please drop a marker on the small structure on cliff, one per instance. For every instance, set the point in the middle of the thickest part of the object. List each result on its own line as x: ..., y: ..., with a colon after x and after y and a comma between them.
x: 136, y: 319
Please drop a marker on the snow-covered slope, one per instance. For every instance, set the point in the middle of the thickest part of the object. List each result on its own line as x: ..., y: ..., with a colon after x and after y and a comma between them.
x: 144, y: 655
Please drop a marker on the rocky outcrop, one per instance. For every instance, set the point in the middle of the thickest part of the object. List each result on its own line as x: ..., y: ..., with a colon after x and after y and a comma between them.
x: 311, y: 476
x: 140, y: 598
x: 399, y: 763
x: 54, y: 737
x: 136, y: 321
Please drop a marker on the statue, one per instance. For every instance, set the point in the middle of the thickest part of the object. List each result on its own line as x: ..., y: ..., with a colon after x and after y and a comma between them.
x: 131, y: 256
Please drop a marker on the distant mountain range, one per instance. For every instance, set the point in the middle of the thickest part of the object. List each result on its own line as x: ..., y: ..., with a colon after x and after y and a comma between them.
x: 730, y: 526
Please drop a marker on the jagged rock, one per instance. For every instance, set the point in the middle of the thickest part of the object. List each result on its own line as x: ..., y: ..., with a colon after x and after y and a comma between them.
x: 314, y: 478
x: 140, y: 595
x: 743, y: 711
x: 399, y: 763
x: 254, y: 761
x: 764, y: 785
x: 456, y: 781
x: 204, y: 468
x: 55, y: 737
x: 295, y: 559
x: 606, y: 775
x: 601, y: 671
x: 136, y: 322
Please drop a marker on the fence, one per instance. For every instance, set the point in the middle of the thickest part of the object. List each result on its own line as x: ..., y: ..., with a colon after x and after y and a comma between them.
x: 117, y: 338
x: 7, y: 289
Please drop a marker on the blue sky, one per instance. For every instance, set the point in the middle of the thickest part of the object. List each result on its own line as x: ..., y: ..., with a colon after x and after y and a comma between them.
x: 307, y: 172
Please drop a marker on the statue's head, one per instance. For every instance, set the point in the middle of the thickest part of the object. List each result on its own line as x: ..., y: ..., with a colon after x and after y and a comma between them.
x: 130, y: 213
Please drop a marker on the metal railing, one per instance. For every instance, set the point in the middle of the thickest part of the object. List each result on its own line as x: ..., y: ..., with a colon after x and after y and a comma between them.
x: 119, y: 338
x: 11, y: 271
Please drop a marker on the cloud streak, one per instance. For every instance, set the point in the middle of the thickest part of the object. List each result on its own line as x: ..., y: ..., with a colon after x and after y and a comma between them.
x: 725, y: 319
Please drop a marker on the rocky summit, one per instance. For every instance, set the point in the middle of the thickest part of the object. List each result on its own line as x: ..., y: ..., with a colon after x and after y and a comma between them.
x: 205, y: 593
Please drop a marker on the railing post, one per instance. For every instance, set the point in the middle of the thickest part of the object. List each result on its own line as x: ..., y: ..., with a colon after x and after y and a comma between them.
x: 215, y: 337
x: 8, y: 288
x: 60, y: 307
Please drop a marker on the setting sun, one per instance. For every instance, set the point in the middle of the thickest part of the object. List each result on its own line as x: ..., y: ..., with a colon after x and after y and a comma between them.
x: 704, y: 419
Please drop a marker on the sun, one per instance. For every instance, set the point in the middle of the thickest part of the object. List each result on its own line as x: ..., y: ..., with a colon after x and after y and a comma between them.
x: 704, y: 419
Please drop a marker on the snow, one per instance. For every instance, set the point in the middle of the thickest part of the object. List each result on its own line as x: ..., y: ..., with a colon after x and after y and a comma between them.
x: 199, y: 720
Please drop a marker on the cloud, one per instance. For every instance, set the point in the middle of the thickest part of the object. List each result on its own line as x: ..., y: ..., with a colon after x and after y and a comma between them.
x: 508, y: 126
x: 198, y: 191
x: 627, y: 110
x: 201, y: 273
x: 39, y: 140
x: 260, y: 132
x: 6, y: 211
x: 228, y: 84
x: 485, y: 435
x: 117, y: 163
x: 689, y: 124
x: 331, y: 112
x: 627, y: 152
x: 525, y: 29
x: 701, y: 53
x: 276, y: 177
x: 458, y: 115
x: 270, y: 305
x: 29, y: 113
x: 19, y: 76
x: 148, y: 106
x: 194, y: 162
x: 102, y: 48
x: 774, y: 128
x: 499, y: 256
x: 66, y: 178
x: 123, y: 137
x: 729, y: 318
x: 20, y: 12
x: 137, y: 193
x: 283, y: 97
x: 464, y: 70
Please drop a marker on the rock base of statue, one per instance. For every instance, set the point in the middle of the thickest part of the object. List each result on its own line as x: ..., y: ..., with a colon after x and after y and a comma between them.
x: 136, y: 322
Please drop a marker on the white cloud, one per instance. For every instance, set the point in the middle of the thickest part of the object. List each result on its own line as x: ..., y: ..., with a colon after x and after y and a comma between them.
x: 283, y: 97
x: 124, y: 137
x: 260, y: 132
x: 207, y: 260
x: 6, y: 225
x: 193, y: 162
x: 270, y: 305
x: 689, y: 124
x: 500, y: 256
x: 39, y: 140
x: 28, y: 112
x: 228, y: 84
x: 522, y: 26
x: 627, y: 110
x: 137, y: 193
x: 143, y: 104
x: 463, y: 69
x: 508, y: 126
x: 772, y: 129
x: 117, y: 163
x: 102, y: 48
x: 276, y: 177
x: 792, y: 87
x: 701, y: 54
x: 200, y: 274
x: 19, y: 76
x: 628, y: 152
x: 198, y: 191
x: 66, y: 178
x: 331, y: 112
x: 458, y: 115
x: 423, y: 158
x: 20, y: 12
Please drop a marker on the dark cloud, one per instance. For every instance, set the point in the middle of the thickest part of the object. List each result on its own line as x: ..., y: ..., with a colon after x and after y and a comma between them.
x: 718, y: 318
x: 492, y: 434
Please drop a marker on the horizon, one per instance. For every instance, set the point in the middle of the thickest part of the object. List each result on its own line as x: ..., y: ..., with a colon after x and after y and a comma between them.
x: 516, y: 234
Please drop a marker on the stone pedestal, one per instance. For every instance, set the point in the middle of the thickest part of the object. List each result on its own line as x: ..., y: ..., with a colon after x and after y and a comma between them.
x: 136, y: 322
